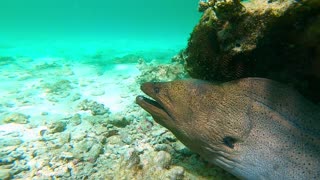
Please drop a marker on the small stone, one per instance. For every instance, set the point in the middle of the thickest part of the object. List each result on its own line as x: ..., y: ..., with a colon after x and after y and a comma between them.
x: 99, y: 129
x: 126, y: 138
x: 98, y: 92
x: 66, y: 155
x: 94, y: 107
x: 114, y: 140
x: 6, y: 160
x: 181, y: 148
x: 75, y: 120
x: 163, y: 159
x: 44, y: 113
x: 162, y: 147
x: 119, y: 120
x: 94, y: 152
x: 132, y: 157
x: 17, y: 154
x: 57, y: 126
x: 75, y: 97
x: 158, y: 132
x: 43, y: 132
x: 16, y: 118
x: 77, y: 135
x: 176, y: 173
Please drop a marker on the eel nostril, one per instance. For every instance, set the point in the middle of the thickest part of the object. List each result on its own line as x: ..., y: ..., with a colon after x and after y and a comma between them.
x: 156, y: 90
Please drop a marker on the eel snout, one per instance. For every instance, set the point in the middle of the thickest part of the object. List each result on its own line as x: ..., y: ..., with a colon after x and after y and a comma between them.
x: 154, y: 105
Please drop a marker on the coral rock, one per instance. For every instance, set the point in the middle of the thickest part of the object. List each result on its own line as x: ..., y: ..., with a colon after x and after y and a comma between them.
x: 279, y: 40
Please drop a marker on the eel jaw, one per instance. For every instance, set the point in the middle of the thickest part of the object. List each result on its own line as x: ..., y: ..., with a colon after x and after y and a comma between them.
x: 158, y: 112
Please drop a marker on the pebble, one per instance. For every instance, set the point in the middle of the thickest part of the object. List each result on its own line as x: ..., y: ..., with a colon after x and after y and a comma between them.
x: 161, y: 147
x: 16, y: 118
x: 176, y: 173
x: 119, y: 120
x: 181, y: 148
x: 66, y: 155
x: 163, y: 159
x: 56, y: 126
x: 158, y: 132
x: 114, y: 140
x: 94, y: 152
x: 98, y: 92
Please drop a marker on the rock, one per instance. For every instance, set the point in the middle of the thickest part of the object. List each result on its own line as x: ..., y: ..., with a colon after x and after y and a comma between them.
x: 181, y: 148
x: 56, y: 126
x: 77, y: 136
x: 59, y: 88
x: 94, y: 153
x: 162, y: 147
x: 6, y: 160
x: 175, y: 173
x: 75, y: 97
x: 260, y: 38
x: 82, y: 146
x: 126, y: 138
x: 114, y: 140
x: 66, y: 155
x: 8, y: 141
x: 44, y: 113
x: 5, y: 174
x: 99, y: 129
x: 163, y: 159
x: 132, y: 158
x: 75, y: 119
x: 18, y: 154
x: 118, y: 120
x: 16, y: 118
x: 94, y: 107
x: 164, y: 72
x: 159, y: 132
x: 98, y: 92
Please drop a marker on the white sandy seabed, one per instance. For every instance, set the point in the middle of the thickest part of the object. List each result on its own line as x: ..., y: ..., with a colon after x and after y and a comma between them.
x: 76, y: 118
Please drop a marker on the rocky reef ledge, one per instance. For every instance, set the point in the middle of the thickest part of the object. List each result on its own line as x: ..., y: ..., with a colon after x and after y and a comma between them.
x: 275, y: 39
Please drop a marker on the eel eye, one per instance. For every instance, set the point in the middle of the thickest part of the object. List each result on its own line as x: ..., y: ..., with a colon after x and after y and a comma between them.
x: 229, y: 141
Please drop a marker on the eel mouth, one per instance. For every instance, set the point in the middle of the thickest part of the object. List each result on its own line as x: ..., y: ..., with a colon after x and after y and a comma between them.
x: 143, y: 100
x: 152, y: 106
x: 159, y: 111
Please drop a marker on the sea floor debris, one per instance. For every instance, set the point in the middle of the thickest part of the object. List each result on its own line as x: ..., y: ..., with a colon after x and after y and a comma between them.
x: 53, y: 126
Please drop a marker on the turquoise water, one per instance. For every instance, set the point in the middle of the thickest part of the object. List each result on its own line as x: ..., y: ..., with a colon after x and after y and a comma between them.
x: 70, y: 71
x: 37, y: 28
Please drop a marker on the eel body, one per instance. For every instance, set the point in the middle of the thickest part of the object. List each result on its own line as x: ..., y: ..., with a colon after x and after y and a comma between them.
x: 254, y: 128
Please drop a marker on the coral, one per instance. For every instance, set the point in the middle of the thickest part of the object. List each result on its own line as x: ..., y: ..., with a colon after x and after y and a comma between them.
x: 56, y: 126
x: 60, y: 88
x: 94, y: 107
x: 16, y: 118
x: 203, y: 5
x: 276, y: 39
x: 160, y: 72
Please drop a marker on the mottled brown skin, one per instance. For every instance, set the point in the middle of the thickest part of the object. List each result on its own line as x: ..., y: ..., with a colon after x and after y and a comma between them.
x: 254, y: 128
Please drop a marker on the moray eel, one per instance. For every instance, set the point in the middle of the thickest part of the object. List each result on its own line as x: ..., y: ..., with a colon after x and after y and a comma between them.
x: 254, y: 128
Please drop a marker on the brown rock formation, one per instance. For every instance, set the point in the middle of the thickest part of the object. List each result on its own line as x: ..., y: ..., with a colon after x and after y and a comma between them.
x: 279, y: 40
